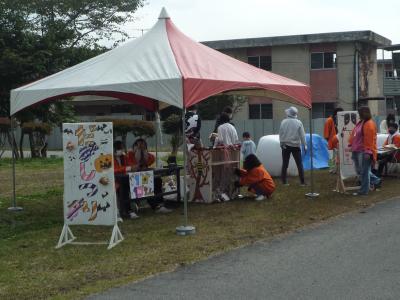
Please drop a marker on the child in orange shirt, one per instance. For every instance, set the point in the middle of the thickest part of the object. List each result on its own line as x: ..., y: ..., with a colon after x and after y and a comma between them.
x: 256, y: 178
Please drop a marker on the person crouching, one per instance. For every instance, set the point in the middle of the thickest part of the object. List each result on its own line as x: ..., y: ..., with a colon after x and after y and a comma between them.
x: 256, y: 177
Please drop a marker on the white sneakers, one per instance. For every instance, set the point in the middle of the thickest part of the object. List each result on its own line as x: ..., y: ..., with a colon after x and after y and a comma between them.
x: 133, y: 215
x: 225, y: 197
x: 260, y: 198
x: 163, y: 210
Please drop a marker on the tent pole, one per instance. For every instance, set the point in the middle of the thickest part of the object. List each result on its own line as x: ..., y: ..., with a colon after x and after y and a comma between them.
x: 14, y: 206
x: 185, y: 229
x: 311, y: 194
x: 158, y: 127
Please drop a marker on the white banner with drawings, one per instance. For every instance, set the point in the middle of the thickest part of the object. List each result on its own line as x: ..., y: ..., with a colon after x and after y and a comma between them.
x: 89, y: 193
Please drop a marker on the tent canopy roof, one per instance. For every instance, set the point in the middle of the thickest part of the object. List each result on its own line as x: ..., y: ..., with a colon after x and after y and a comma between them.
x: 162, y: 65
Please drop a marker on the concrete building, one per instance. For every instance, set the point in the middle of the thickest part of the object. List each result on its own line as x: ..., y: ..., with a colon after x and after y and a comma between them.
x: 341, y: 68
x: 389, y: 79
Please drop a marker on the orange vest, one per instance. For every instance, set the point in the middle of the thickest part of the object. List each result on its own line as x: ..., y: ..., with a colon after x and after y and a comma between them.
x: 260, y: 177
x: 329, y: 132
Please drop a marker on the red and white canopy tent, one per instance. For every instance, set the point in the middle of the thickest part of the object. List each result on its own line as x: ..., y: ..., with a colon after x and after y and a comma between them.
x: 163, y: 66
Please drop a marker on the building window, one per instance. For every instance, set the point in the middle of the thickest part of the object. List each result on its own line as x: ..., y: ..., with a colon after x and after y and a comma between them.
x: 262, y: 62
x: 120, y: 109
x: 322, y: 110
x: 260, y: 111
x: 390, y: 103
x: 326, y: 60
x: 388, y: 74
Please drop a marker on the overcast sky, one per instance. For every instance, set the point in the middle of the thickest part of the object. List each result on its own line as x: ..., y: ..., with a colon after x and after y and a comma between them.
x: 205, y: 20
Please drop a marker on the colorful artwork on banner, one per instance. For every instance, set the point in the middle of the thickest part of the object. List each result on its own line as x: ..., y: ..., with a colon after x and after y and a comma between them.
x: 346, y: 121
x: 141, y: 184
x: 89, y: 193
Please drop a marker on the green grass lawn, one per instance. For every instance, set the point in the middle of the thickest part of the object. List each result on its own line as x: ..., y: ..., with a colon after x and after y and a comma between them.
x: 32, y: 269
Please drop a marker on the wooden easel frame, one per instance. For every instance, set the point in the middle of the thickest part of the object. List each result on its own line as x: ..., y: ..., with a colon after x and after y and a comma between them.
x: 340, y: 186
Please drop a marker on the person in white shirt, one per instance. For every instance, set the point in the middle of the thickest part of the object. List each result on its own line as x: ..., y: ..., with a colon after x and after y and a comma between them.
x: 291, y: 137
x: 226, y: 132
x: 384, y: 125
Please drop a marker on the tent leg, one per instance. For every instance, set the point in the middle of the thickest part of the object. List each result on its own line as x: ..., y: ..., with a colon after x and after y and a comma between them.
x: 158, y: 126
x: 311, y: 194
x: 185, y: 229
x: 14, y: 206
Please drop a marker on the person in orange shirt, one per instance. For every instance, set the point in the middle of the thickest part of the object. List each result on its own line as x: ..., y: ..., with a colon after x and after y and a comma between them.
x: 392, y: 139
x: 364, y: 150
x: 122, y: 165
x: 330, y: 132
x: 256, y: 178
x: 140, y: 158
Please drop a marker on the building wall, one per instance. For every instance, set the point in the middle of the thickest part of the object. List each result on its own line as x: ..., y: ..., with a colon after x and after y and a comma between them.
x: 293, y: 62
x: 323, y: 82
x: 345, y: 75
x: 328, y: 85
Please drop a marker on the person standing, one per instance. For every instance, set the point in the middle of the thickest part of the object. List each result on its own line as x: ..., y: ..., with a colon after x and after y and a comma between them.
x: 330, y: 132
x: 226, y: 133
x: 227, y: 110
x: 248, y: 146
x: 291, y: 137
x: 364, y: 150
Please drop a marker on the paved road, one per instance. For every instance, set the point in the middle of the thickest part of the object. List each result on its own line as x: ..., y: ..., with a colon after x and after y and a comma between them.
x: 354, y: 257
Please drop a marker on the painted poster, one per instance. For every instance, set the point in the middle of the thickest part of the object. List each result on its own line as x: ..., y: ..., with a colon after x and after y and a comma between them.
x: 199, y: 172
x: 141, y: 184
x: 346, y: 122
x: 89, y: 192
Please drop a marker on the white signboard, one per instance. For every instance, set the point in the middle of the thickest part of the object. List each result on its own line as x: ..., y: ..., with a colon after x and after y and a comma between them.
x: 346, y: 121
x: 141, y: 184
x: 89, y: 193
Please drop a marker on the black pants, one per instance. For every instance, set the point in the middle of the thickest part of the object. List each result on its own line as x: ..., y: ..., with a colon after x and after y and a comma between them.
x: 123, y: 195
x: 124, y: 198
x: 296, y: 152
x: 383, y: 163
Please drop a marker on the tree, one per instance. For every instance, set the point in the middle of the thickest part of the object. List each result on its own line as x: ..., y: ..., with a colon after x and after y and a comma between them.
x: 173, y: 126
x: 6, y: 136
x: 210, y: 108
x: 37, y: 133
x: 39, y: 38
x: 138, y: 128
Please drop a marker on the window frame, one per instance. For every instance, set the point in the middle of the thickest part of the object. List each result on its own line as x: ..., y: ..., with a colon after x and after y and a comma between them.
x: 260, y: 111
x: 324, y: 109
x: 323, y: 60
x: 259, y: 61
x: 389, y: 71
